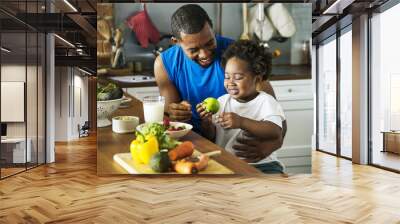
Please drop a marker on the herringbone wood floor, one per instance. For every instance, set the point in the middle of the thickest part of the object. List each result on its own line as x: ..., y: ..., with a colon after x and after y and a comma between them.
x: 70, y: 192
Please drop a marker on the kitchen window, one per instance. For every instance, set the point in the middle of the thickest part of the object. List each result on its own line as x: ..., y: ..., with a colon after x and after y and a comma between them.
x: 326, y: 59
x: 346, y: 92
x: 385, y: 89
x: 334, y: 94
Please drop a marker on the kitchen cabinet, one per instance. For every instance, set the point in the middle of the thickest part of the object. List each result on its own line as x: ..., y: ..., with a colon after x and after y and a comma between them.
x: 296, y: 99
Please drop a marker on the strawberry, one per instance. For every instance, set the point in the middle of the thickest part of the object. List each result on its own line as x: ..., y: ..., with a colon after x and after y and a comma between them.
x: 166, y: 123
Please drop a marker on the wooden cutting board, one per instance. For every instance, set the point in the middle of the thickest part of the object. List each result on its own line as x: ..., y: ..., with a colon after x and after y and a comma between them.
x: 133, y: 167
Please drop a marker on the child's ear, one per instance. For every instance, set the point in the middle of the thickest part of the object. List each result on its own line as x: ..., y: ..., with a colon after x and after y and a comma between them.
x: 258, y: 79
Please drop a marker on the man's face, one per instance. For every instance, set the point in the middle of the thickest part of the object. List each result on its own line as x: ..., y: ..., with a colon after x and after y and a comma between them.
x: 200, y: 47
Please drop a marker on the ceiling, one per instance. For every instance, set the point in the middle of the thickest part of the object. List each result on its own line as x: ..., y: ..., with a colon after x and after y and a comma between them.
x: 331, y: 15
x: 72, y: 20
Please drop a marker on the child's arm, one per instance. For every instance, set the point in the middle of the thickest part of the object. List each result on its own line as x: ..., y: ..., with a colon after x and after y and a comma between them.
x: 260, y: 129
x: 207, y: 127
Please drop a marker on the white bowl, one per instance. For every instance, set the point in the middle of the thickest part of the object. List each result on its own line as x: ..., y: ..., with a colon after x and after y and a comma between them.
x: 104, y: 110
x: 124, y: 124
x: 173, y: 134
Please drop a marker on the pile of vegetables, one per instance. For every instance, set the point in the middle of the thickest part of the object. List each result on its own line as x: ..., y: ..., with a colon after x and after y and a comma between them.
x: 155, y: 148
x: 158, y: 130
x: 109, y: 92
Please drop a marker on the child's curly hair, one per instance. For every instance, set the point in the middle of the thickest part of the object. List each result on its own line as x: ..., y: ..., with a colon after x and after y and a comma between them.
x: 258, y: 58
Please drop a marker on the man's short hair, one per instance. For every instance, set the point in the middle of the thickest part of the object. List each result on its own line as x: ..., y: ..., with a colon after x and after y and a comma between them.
x: 189, y: 19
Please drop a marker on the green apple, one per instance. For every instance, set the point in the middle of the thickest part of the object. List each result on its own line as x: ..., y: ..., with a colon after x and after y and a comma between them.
x: 211, y: 105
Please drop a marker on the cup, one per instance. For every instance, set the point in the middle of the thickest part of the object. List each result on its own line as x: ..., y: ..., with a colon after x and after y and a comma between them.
x: 124, y: 124
x: 153, y: 108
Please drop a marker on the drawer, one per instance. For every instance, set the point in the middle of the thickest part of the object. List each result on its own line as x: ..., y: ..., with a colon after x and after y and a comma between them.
x: 292, y: 90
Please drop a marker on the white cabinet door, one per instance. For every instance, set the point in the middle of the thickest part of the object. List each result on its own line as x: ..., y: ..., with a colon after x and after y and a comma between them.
x: 296, y: 99
x: 140, y: 92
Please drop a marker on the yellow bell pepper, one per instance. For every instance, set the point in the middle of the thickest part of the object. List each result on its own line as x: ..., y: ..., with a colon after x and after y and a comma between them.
x: 134, y: 150
x: 147, y: 149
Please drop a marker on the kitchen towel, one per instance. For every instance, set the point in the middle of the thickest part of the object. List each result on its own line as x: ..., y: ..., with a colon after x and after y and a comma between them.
x: 144, y: 29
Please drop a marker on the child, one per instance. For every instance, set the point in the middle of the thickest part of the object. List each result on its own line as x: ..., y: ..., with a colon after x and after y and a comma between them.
x: 244, y: 109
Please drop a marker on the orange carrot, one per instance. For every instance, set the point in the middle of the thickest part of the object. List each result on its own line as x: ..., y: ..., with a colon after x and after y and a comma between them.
x: 183, y: 150
x: 202, y: 163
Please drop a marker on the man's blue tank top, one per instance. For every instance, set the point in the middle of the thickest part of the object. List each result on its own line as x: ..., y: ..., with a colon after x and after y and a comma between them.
x: 194, y: 82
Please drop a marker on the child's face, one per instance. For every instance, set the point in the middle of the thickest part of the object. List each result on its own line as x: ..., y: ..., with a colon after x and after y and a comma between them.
x: 239, y: 82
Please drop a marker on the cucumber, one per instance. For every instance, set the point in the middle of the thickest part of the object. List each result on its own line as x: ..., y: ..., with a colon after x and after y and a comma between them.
x: 160, y: 161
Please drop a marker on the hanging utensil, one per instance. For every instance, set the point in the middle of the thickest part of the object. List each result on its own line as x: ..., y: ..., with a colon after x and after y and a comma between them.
x: 245, y: 34
x: 260, y: 21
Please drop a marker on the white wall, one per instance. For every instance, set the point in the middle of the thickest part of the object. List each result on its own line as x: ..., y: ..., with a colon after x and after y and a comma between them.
x: 61, y: 104
x: 71, y: 102
x: 16, y: 73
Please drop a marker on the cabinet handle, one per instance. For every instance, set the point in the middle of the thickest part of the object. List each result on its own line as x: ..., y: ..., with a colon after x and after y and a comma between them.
x: 290, y: 90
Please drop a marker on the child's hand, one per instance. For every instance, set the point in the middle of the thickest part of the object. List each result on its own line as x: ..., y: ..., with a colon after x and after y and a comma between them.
x: 202, y: 112
x: 229, y: 120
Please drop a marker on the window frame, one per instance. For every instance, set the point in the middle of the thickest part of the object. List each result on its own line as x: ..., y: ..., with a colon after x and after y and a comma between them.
x: 334, y: 37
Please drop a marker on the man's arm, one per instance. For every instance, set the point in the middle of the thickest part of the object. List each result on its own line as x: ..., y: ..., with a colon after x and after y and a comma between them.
x: 180, y: 111
x: 167, y: 89
x: 266, y: 87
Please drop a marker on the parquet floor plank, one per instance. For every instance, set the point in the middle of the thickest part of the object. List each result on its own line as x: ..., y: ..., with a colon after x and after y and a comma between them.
x: 69, y: 191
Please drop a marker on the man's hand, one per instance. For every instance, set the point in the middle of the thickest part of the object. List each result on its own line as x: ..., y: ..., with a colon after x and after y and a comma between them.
x: 180, y: 111
x: 253, y: 149
x: 229, y: 120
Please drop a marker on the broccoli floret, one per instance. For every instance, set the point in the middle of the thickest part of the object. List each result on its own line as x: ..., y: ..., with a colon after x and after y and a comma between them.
x: 154, y: 129
x: 158, y: 130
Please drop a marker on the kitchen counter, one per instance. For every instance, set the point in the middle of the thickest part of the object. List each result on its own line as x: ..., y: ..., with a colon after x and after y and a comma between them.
x: 110, y: 143
x: 290, y: 72
x: 143, y: 79
x: 146, y: 78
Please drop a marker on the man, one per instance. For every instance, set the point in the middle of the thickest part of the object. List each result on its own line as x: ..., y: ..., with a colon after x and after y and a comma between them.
x: 190, y: 71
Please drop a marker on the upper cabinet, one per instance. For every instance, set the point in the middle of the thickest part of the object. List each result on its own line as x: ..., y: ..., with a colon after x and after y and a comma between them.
x: 284, y: 28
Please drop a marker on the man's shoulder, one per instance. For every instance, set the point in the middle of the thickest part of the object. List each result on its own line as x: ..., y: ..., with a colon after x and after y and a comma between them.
x: 170, y: 51
x: 224, y: 39
x: 223, y: 42
x: 171, y: 55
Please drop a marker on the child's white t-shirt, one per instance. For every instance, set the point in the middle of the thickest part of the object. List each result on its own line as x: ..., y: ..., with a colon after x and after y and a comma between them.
x: 262, y: 108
